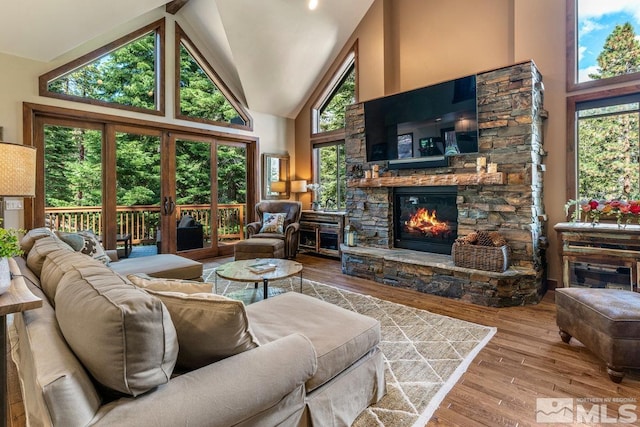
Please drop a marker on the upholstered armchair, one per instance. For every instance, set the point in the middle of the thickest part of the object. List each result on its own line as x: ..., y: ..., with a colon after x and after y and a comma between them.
x: 285, y: 226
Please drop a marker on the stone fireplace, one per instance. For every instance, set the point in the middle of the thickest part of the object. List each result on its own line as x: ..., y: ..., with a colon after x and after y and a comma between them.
x: 425, y: 218
x: 510, y: 115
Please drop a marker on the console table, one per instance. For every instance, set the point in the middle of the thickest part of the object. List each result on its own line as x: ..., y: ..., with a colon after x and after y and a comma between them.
x: 18, y: 298
x: 321, y: 232
x: 604, y: 255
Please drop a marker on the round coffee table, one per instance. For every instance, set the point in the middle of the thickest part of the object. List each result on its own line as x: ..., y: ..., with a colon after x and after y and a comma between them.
x: 239, y: 271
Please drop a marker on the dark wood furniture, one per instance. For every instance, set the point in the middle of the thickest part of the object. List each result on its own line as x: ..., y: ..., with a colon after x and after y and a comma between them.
x: 605, y: 255
x: 322, y: 232
x: 16, y: 299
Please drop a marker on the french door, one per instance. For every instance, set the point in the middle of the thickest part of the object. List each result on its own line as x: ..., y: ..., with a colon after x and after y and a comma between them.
x: 139, y: 182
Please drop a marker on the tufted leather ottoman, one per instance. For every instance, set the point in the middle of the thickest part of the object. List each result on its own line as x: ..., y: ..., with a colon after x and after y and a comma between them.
x: 606, y: 321
x: 259, y: 248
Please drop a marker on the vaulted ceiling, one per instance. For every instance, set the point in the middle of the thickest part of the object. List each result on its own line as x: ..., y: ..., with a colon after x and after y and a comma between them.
x: 273, y: 51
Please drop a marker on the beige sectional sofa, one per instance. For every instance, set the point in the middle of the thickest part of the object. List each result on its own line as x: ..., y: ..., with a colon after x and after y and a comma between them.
x: 105, y: 351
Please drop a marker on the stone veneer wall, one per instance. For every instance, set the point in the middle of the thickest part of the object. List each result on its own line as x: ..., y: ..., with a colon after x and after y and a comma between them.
x: 510, y: 114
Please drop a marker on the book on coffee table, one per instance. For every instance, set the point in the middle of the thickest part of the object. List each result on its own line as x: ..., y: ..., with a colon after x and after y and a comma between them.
x: 261, y: 267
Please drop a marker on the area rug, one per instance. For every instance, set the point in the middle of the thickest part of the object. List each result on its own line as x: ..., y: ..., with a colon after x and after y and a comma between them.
x: 425, y: 353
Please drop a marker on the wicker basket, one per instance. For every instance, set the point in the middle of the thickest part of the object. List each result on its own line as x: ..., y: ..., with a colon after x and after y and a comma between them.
x: 489, y: 258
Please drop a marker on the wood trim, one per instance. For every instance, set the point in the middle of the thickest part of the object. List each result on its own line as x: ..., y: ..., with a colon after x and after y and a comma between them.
x: 157, y: 26
x: 30, y: 109
x: 182, y: 38
x: 330, y: 87
x: 174, y: 6
x: 572, y: 57
x: 430, y: 180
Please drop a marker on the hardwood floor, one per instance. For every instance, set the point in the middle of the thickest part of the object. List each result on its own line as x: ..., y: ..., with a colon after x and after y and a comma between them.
x: 525, y: 360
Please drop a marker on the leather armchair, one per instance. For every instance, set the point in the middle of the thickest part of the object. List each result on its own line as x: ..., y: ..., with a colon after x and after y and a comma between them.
x: 291, y: 227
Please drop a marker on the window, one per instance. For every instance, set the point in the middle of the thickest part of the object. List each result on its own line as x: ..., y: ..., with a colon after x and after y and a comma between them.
x: 602, y: 43
x: 126, y: 74
x: 608, y: 145
x: 330, y: 170
x: 329, y: 111
x: 200, y: 93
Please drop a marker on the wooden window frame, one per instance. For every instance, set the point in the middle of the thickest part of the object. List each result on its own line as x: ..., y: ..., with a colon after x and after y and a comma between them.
x: 34, y: 208
x: 349, y: 60
x: 572, y: 131
x: 158, y: 27
x: 572, y: 56
x: 181, y: 38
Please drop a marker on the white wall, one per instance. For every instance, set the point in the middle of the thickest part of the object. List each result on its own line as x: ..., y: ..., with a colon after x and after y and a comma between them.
x: 19, y: 83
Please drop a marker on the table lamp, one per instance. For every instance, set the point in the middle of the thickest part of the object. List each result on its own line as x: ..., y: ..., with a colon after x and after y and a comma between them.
x: 299, y: 186
x: 279, y: 186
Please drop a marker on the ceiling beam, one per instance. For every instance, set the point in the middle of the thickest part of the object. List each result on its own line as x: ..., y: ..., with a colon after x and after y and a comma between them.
x: 174, y: 6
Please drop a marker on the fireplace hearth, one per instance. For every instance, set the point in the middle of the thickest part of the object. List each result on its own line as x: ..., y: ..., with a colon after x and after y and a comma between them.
x: 425, y: 218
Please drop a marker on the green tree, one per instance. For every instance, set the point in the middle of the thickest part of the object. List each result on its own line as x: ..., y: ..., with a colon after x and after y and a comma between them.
x: 332, y: 114
x: 620, y: 53
x: 608, y: 136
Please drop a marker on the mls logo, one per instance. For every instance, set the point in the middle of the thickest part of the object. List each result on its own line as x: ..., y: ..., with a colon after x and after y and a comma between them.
x: 554, y: 410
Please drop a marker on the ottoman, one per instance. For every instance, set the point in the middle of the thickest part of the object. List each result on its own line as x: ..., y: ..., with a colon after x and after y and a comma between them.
x: 259, y: 248
x: 606, y: 321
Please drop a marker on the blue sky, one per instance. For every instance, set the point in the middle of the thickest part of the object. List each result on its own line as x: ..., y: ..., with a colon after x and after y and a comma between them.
x: 596, y: 20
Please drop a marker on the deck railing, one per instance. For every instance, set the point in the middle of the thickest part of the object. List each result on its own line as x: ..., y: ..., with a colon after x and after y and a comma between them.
x: 142, y: 221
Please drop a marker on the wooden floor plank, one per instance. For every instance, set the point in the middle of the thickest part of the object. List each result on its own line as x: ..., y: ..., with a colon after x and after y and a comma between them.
x: 525, y: 360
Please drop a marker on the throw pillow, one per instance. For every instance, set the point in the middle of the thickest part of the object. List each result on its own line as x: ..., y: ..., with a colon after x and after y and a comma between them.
x: 41, y: 248
x: 93, y: 247
x: 210, y: 327
x: 74, y: 240
x: 27, y: 241
x: 122, y: 335
x: 58, y: 263
x: 273, y: 222
x: 145, y: 281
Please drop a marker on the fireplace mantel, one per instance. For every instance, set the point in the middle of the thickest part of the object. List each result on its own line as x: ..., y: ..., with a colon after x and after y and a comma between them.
x: 496, y: 178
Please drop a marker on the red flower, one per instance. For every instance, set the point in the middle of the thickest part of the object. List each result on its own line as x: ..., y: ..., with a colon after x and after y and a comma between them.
x: 635, y: 209
x: 594, y: 204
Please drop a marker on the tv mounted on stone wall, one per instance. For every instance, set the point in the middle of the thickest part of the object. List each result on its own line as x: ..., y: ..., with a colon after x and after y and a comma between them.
x: 442, y: 119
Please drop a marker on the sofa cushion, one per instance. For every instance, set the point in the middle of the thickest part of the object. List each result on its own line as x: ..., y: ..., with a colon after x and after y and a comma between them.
x: 74, y: 240
x: 28, y: 240
x: 122, y: 335
x: 41, y: 248
x: 210, y: 327
x: 162, y: 265
x: 93, y: 247
x: 56, y: 264
x: 340, y: 336
x: 145, y: 281
x: 273, y: 222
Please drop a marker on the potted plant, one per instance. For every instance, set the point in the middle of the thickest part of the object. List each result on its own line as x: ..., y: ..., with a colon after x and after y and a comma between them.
x: 9, y: 247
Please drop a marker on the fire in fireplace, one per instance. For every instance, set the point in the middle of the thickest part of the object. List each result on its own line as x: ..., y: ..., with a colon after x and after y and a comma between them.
x: 426, y: 218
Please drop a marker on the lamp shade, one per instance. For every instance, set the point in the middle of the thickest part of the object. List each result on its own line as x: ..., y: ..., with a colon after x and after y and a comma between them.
x: 279, y: 186
x: 17, y: 170
x: 299, y: 186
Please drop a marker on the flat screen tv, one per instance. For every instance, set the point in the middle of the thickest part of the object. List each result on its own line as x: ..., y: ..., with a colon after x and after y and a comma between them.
x: 423, y: 127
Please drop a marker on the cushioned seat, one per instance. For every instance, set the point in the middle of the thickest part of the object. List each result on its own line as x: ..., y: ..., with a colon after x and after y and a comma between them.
x: 337, y: 347
x: 259, y: 248
x: 606, y: 321
x: 162, y: 265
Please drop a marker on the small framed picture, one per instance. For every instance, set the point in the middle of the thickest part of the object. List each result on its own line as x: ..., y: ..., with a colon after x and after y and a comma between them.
x: 405, y: 146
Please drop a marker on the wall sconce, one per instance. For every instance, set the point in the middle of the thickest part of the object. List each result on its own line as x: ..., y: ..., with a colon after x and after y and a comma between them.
x: 279, y: 186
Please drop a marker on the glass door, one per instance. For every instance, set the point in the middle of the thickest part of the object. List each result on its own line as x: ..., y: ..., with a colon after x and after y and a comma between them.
x: 72, y: 181
x: 231, y: 189
x: 136, y: 222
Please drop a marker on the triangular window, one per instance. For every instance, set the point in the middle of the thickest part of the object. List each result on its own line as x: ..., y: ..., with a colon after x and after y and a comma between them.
x: 329, y: 112
x: 126, y: 73
x: 200, y: 93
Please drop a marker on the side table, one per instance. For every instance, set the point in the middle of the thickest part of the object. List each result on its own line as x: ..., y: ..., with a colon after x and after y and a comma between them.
x: 15, y: 300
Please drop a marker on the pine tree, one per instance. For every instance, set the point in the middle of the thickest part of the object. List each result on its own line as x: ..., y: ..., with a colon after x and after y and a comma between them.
x: 620, y: 53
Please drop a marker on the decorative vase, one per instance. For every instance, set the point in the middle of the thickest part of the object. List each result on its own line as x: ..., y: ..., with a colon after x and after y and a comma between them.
x: 5, y: 275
